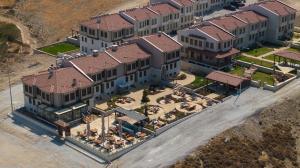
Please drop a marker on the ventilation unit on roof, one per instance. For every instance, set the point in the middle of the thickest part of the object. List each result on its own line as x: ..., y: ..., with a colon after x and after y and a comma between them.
x: 95, y: 53
x: 159, y: 33
x: 114, y: 48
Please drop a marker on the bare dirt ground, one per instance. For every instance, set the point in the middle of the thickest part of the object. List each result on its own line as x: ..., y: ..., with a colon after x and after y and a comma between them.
x: 52, y: 20
x: 268, y: 139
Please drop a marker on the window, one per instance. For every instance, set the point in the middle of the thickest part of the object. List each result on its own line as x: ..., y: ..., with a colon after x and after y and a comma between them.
x: 72, y: 96
x: 67, y: 98
x: 131, y: 77
x: 107, y: 85
x: 98, y: 76
x: 89, y: 90
x: 141, y: 74
x: 108, y: 74
x: 97, y: 88
x: 30, y: 101
x: 128, y: 67
x: 84, y: 92
x: 147, y: 61
x: 112, y: 84
x: 114, y: 72
x: 47, y: 97
x: 26, y: 88
x: 145, y: 73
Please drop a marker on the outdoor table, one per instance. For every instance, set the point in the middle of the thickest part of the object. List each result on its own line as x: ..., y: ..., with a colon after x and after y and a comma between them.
x: 97, y: 142
x: 130, y: 139
x: 119, y: 143
x: 94, y: 132
x: 142, y: 135
x: 111, y: 139
x: 91, y: 138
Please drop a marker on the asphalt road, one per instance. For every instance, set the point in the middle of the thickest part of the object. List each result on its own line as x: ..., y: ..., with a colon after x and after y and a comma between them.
x: 179, y: 141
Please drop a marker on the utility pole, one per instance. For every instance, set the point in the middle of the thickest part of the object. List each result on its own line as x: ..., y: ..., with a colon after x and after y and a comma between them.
x: 9, y: 83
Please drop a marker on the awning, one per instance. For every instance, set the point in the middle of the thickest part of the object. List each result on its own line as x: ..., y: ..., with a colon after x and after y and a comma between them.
x: 289, y: 55
x: 74, y: 107
x: 127, y: 119
x: 226, y: 78
x: 131, y: 114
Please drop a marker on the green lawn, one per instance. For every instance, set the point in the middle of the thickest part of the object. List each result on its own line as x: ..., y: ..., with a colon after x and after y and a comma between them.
x: 198, y: 82
x: 239, y: 71
x: 255, y: 61
x: 59, y: 48
x: 271, y: 58
x: 259, y: 51
x: 268, y: 78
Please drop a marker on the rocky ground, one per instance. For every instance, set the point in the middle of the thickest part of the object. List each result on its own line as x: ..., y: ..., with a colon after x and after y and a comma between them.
x: 269, y: 139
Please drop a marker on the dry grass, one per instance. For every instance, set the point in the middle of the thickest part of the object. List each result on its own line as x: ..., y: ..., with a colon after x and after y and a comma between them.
x: 7, y: 3
x: 52, y: 20
x: 268, y: 139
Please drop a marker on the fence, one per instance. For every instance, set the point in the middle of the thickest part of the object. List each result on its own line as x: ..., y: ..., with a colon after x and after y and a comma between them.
x: 279, y: 85
x: 105, y: 156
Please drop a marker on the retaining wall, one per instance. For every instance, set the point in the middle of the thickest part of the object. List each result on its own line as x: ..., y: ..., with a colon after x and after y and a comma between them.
x: 104, y: 156
x: 255, y: 83
x: 193, y: 68
x: 279, y: 85
x: 168, y: 126
x: 35, y: 122
x: 73, y: 41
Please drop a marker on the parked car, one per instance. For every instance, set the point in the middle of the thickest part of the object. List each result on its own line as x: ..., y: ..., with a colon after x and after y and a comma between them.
x: 230, y: 7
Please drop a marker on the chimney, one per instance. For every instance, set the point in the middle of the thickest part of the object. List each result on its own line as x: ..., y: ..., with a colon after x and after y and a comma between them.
x: 50, y: 71
x: 95, y: 53
x: 74, y: 82
x: 114, y: 48
x: 159, y: 33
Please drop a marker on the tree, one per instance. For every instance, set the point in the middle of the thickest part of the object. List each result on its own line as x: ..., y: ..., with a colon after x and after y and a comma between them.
x: 145, y: 100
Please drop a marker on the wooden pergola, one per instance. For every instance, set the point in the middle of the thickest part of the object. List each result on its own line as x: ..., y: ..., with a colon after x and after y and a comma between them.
x: 293, y: 56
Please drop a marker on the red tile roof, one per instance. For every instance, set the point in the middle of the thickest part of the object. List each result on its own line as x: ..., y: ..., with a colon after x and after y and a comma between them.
x: 111, y: 22
x: 226, y: 78
x: 95, y: 64
x: 128, y: 53
x: 228, y: 22
x: 164, y: 9
x: 250, y: 17
x: 184, y: 2
x: 61, y: 80
x: 278, y: 7
x: 163, y: 42
x: 215, y: 32
x: 289, y: 54
x: 140, y: 14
